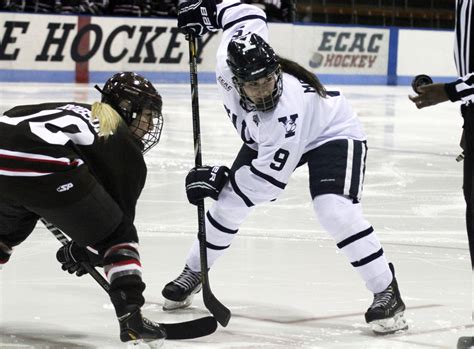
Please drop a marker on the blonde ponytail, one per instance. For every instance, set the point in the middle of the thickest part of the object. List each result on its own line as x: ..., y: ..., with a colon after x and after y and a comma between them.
x: 109, y: 119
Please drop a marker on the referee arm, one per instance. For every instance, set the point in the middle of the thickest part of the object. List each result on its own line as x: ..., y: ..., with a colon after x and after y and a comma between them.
x: 460, y: 90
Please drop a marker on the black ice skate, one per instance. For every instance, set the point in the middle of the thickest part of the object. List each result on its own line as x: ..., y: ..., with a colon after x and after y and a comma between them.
x: 139, y: 332
x: 385, y: 315
x: 180, y: 292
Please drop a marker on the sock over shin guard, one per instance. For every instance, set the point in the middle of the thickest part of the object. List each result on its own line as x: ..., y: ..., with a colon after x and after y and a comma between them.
x: 219, y: 236
x: 124, y: 273
x: 355, y: 237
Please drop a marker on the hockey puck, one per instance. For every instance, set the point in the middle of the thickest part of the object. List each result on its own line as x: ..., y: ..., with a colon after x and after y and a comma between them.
x: 420, y: 80
x: 465, y: 343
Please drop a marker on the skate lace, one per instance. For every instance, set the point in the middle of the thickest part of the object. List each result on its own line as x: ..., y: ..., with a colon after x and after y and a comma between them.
x: 154, y: 327
x: 188, y: 279
x: 151, y: 324
x: 383, y: 298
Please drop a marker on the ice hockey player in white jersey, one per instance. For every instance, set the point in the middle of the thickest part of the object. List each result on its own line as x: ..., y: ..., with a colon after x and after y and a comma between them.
x: 286, y: 118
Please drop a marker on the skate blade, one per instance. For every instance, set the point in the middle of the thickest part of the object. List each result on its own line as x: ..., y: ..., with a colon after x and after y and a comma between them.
x: 141, y: 344
x: 172, y: 305
x: 389, y: 326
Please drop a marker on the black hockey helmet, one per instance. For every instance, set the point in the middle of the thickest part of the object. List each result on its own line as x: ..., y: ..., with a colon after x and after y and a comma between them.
x: 129, y: 94
x: 250, y: 58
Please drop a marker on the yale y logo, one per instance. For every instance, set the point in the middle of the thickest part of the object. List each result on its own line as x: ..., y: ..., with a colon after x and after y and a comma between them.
x: 289, y: 124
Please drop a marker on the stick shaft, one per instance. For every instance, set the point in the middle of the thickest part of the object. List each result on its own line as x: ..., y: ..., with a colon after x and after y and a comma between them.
x: 220, y: 312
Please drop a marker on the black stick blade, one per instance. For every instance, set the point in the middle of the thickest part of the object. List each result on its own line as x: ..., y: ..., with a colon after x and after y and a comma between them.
x: 191, y: 329
x: 219, y: 310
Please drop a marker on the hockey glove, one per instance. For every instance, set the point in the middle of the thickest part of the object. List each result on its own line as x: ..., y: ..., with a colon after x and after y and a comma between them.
x: 206, y: 181
x: 5, y: 253
x: 72, y: 255
x: 197, y: 17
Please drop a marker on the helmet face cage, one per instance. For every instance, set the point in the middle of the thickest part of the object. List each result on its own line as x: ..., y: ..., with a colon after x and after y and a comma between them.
x: 130, y: 94
x: 265, y: 104
x: 148, y: 133
x: 250, y: 58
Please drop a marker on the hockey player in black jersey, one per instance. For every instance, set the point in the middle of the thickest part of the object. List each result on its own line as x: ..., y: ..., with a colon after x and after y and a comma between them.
x: 286, y: 118
x: 81, y: 168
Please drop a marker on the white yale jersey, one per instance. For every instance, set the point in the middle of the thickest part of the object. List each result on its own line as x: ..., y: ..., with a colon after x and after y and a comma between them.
x: 300, y: 122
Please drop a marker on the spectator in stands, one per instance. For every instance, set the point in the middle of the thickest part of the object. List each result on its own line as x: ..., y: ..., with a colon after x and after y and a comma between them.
x: 43, y: 6
x: 164, y: 8
x: 136, y: 8
x: 92, y: 7
x: 276, y: 10
x: 12, y: 5
x: 306, y: 15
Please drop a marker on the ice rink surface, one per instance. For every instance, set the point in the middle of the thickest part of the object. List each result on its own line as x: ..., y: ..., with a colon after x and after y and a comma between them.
x: 283, y: 278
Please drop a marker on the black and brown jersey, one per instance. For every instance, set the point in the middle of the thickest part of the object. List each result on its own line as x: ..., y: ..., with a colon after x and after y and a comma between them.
x: 55, y: 139
x: 39, y: 140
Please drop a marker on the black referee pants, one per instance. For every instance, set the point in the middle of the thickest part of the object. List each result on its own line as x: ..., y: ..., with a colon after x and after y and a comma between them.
x: 468, y: 178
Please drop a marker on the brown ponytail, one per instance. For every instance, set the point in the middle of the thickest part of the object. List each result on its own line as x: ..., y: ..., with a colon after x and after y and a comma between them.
x: 293, y: 68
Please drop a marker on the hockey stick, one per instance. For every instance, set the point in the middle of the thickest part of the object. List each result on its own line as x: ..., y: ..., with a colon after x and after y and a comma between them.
x: 219, y: 310
x: 181, y: 330
x: 89, y: 268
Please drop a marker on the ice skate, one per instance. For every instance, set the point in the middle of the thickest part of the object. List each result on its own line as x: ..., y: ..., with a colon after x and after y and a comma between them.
x: 180, y: 292
x: 139, y: 332
x: 385, y: 315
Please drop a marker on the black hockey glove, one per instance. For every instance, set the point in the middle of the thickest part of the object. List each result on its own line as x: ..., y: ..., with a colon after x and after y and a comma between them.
x: 206, y: 181
x: 72, y: 255
x: 5, y: 253
x: 197, y: 17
